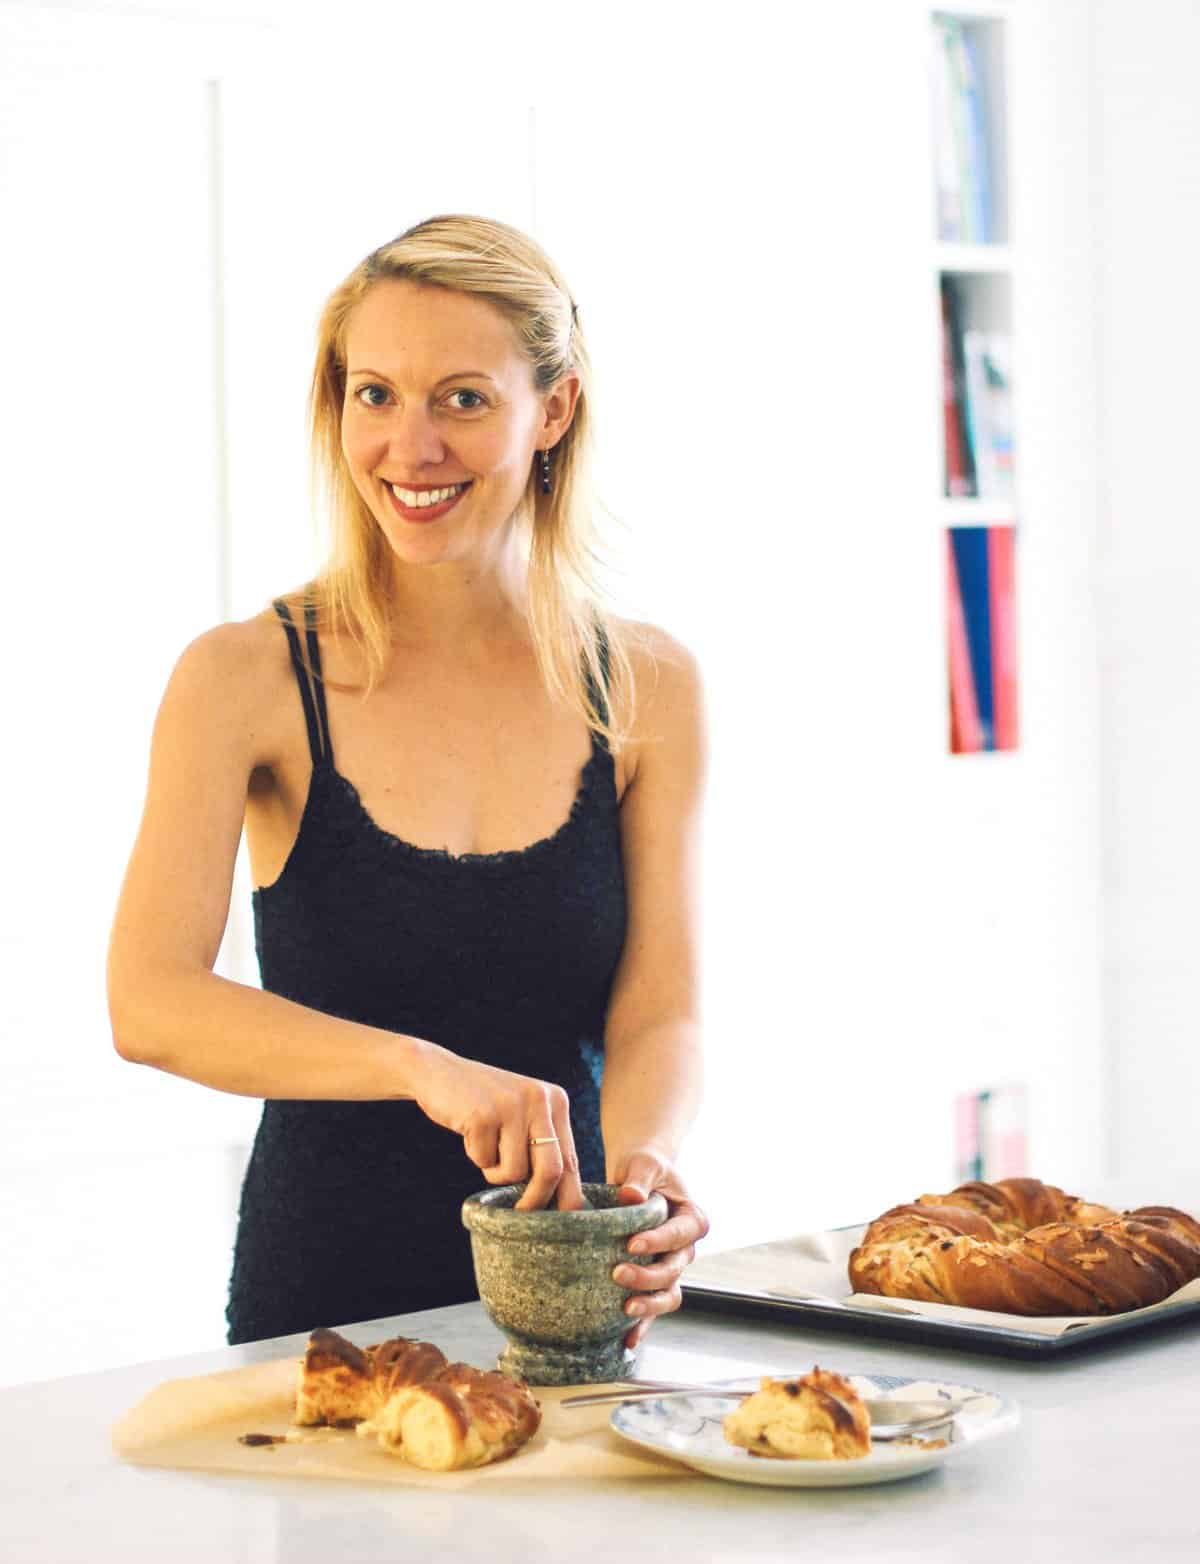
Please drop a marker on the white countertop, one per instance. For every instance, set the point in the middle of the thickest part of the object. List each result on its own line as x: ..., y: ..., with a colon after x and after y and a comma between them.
x: 1103, y: 1467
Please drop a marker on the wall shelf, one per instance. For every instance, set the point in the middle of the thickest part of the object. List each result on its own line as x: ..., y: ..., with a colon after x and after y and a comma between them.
x: 973, y: 266
x: 985, y: 258
x: 969, y: 512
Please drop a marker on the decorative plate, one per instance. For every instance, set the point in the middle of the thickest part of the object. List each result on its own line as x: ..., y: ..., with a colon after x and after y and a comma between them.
x: 688, y: 1428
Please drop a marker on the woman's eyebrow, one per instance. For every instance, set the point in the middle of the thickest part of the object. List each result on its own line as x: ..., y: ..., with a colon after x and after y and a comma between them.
x: 459, y: 374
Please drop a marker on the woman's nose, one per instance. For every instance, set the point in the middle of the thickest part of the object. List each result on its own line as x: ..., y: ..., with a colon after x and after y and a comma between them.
x: 413, y: 439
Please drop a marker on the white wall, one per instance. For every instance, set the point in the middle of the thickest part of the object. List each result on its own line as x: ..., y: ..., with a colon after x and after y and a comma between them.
x: 116, y: 1185
x: 745, y: 220
x: 1148, y: 150
x: 888, y: 925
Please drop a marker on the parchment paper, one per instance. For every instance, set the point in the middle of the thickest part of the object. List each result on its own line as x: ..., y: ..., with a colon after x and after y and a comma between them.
x: 194, y: 1424
x: 814, y: 1265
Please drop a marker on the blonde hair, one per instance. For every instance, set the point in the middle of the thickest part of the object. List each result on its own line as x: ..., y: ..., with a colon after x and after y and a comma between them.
x: 579, y: 646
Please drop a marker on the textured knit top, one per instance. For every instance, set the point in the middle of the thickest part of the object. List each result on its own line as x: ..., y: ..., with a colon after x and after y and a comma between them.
x: 351, y: 1210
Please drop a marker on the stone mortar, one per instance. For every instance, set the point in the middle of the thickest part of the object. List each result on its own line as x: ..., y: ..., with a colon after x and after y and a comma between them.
x: 545, y: 1278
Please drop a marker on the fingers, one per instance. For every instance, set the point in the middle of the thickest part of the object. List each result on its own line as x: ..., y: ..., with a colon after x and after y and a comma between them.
x: 543, y: 1155
x: 570, y: 1189
x: 538, y: 1145
x: 633, y: 1338
x: 686, y: 1225
x: 514, y: 1128
x: 646, y: 1308
x: 654, y: 1289
x: 662, y: 1275
x: 641, y: 1174
x: 482, y: 1145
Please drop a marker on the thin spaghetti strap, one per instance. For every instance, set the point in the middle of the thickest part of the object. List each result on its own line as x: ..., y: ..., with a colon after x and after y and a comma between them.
x: 311, y: 695
x: 314, y: 658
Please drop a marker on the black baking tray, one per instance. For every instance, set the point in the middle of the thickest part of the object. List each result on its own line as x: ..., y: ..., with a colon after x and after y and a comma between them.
x: 1012, y: 1342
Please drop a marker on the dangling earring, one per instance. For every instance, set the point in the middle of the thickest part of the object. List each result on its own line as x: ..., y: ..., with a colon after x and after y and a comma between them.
x: 545, y: 455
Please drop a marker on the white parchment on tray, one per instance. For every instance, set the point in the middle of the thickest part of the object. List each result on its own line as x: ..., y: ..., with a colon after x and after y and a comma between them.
x: 813, y: 1267
x: 196, y: 1424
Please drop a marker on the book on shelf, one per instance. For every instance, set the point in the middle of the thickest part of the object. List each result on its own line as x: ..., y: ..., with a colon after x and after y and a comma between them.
x: 966, y: 733
x: 947, y: 170
x: 977, y: 403
x: 981, y: 638
x: 969, y: 545
x: 960, y: 463
x: 988, y: 380
x: 960, y: 129
x: 991, y: 1136
x: 1002, y: 601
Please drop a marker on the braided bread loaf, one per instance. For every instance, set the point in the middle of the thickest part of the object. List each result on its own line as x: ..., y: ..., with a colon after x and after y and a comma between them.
x: 1019, y: 1246
x: 437, y: 1415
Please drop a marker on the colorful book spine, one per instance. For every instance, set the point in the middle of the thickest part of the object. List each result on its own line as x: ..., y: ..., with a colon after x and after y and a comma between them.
x: 1002, y: 592
x: 970, y: 562
x: 968, y: 1149
x: 962, y: 156
x: 981, y: 638
x: 990, y: 1135
x: 961, y: 478
x: 1004, y: 1134
x: 975, y: 411
x: 998, y: 368
x: 988, y: 406
x: 966, y: 734
x: 946, y: 164
x: 975, y: 115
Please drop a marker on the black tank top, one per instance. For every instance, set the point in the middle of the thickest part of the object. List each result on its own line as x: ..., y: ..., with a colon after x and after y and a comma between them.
x: 350, y: 1210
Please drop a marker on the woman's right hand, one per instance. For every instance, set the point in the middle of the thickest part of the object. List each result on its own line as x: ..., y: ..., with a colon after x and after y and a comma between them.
x: 501, y: 1117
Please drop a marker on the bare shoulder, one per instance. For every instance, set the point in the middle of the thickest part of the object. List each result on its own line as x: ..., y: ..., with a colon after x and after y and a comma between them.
x: 241, y: 658
x: 236, y: 674
x: 666, y: 672
x: 668, y: 696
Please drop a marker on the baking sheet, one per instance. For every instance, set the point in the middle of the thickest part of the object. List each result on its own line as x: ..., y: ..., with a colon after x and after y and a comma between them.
x: 746, y: 1281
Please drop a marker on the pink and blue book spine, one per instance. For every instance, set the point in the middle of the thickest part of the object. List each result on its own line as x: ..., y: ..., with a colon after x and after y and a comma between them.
x: 981, y: 638
x: 990, y: 1138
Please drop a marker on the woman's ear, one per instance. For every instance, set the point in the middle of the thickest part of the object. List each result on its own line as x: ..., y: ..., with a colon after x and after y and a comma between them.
x: 559, y: 407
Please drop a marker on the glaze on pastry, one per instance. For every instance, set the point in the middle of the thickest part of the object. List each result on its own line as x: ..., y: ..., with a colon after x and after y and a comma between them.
x: 1019, y: 1246
x: 818, y: 1417
x: 437, y: 1415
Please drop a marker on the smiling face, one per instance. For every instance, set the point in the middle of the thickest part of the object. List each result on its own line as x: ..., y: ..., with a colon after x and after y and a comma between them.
x: 441, y: 420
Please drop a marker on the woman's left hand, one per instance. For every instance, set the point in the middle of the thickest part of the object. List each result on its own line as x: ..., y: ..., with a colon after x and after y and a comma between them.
x: 656, y: 1287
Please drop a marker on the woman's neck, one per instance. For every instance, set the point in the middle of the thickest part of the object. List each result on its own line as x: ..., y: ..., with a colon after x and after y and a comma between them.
x: 458, y: 605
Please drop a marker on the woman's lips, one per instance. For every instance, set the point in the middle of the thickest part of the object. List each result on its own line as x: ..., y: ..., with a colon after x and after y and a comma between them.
x: 422, y: 513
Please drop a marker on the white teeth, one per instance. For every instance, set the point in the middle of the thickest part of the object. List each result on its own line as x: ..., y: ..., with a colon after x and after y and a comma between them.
x: 426, y: 497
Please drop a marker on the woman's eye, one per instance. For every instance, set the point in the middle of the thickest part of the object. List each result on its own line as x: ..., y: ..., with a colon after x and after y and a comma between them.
x: 478, y: 402
x: 372, y: 396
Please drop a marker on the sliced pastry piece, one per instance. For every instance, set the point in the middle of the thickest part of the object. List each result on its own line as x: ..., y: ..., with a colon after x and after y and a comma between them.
x: 340, y: 1384
x: 335, y: 1384
x: 400, y: 1361
x: 818, y: 1417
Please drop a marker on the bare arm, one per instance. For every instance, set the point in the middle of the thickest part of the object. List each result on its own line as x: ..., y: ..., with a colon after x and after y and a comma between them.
x: 167, y: 1007
x: 653, y: 1062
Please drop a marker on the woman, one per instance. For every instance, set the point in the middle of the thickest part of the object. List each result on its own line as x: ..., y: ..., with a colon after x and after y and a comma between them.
x: 471, y: 801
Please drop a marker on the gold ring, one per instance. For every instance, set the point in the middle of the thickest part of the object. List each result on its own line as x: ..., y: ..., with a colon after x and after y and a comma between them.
x: 543, y: 1140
